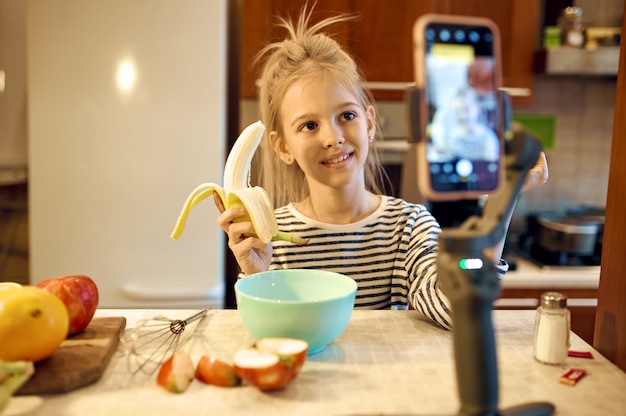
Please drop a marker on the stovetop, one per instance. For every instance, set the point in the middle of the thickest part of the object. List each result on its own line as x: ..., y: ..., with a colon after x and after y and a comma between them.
x: 525, y: 242
x: 543, y: 258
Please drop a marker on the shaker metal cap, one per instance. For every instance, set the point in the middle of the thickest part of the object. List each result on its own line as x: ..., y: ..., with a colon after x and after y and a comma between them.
x: 572, y: 11
x: 553, y: 300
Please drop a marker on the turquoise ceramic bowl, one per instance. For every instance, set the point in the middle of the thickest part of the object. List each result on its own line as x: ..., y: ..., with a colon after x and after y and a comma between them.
x: 312, y: 305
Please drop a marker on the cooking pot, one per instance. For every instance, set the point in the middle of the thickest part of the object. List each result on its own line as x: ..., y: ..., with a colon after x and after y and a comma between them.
x: 588, y: 212
x: 568, y: 235
x: 594, y: 214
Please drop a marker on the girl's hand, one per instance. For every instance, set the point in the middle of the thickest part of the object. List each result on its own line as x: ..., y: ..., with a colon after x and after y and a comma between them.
x: 537, y: 175
x: 251, y: 254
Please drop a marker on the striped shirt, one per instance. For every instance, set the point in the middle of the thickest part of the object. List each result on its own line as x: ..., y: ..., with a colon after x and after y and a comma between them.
x: 391, y: 255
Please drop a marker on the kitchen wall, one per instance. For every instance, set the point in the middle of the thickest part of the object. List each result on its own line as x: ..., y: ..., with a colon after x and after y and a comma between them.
x: 579, y: 161
x: 601, y: 12
x: 110, y: 166
x: 115, y: 148
x: 13, y: 155
x: 12, y: 92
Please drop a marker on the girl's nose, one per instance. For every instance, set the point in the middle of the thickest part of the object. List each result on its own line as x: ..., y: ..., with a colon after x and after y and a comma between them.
x: 333, y: 137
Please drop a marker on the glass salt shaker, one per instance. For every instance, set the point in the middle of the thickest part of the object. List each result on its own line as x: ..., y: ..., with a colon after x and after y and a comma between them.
x: 552, y: 329
x: 572, y: 27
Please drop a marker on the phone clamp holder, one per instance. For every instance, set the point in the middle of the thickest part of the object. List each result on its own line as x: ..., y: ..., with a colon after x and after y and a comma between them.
x: 448, y: 213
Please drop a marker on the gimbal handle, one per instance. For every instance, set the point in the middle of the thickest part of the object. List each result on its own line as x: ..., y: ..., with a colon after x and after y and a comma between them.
x: 471, y: 283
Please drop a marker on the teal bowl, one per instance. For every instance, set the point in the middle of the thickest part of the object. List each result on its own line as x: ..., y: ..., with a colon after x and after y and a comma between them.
x: 312, y: 305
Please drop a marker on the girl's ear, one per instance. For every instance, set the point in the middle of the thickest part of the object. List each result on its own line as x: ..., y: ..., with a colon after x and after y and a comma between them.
x: 371, y: 122
x: 280, y: 147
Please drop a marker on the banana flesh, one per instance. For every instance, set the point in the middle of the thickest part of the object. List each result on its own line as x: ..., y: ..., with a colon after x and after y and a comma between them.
x: 13, y: 374
x: 237, y: 192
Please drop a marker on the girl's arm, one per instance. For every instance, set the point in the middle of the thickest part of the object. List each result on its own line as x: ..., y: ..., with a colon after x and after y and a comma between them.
x: 425, y: 294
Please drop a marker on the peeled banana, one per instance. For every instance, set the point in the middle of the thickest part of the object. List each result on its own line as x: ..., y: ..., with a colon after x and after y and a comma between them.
x: 237, y: 192
x: 13, y: 374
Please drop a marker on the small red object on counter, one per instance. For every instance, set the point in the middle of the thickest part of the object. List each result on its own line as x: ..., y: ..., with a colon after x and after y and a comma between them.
x: 572, y: 377
x: 579, y: 354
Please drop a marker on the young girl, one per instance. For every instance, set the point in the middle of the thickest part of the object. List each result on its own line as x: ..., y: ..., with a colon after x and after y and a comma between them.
x: 320, y: 168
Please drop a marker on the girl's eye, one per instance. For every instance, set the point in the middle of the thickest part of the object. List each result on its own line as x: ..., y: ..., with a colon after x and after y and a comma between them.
x: 308, y: 126
x: 347, y: 116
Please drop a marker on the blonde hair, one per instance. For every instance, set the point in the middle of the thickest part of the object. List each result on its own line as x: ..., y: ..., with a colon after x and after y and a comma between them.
x: 304, y: 52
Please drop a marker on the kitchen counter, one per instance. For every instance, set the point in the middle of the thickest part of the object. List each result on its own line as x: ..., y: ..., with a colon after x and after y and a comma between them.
x: 529, y: 275
x: 387, y: 362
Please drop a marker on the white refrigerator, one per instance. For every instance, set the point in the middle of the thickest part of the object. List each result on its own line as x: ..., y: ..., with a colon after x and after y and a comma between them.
x: 126, y: 115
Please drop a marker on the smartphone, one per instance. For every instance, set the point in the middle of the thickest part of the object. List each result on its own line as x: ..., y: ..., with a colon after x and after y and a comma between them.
x: 458, y: 74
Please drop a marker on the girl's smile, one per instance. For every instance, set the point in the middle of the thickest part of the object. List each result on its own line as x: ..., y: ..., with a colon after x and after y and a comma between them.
x: 339, y: 160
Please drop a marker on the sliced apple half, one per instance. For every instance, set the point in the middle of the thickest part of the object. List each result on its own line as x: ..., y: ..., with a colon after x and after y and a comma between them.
x: 271, y: 363
x: 214, y: 371
x: 177, y: 373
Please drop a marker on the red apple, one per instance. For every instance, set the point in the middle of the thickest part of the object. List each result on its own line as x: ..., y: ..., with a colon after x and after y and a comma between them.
x: 177, y: 373
x: 80, y: 296
x: 271, y: 363
x: 211, y: 370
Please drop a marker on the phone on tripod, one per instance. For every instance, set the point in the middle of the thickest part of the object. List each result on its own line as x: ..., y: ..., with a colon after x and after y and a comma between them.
x: 458, y: 74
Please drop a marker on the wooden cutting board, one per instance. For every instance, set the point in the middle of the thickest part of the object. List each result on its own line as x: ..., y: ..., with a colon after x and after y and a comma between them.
x: 80, y: 360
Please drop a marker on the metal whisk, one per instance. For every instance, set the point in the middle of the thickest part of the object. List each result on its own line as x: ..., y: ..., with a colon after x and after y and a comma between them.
x: 152, y: 341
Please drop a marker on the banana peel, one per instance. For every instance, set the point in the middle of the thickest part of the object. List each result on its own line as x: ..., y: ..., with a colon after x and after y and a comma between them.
x: 237, y: 192
x: 13, y: 374
x: 254, y: 200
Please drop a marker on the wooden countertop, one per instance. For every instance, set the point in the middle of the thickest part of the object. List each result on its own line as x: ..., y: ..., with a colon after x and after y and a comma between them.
x: 386, y: 362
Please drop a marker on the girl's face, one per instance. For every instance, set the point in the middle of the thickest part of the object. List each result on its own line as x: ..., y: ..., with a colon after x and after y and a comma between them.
x: 467, y: 110
x: 326, y: 131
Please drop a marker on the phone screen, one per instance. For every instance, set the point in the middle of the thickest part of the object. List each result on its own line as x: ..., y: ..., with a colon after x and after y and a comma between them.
x: 461, y: 81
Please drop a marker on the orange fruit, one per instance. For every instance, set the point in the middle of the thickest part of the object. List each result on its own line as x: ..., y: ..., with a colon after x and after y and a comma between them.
x: 9, y: 285
x: 33, y: 323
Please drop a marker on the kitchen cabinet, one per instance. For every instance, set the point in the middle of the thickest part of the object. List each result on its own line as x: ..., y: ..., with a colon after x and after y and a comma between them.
x: 382, y: 40
x: 381, y: 36
x: 518, y: 21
